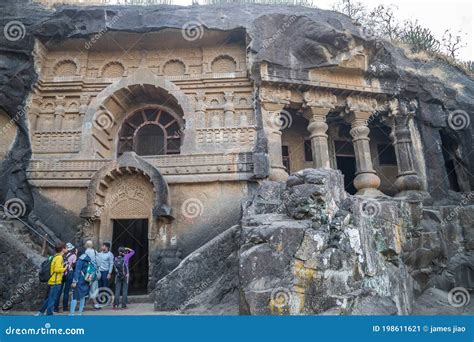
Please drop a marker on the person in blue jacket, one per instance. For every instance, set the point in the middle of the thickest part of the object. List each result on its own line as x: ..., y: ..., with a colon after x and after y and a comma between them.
x: 80, y: 288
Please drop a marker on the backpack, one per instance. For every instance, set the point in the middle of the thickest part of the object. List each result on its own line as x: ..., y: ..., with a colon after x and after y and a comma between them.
x: 45, y: 270
x: 91, y: 272
x: 69, y: 268
x: 119, y: 265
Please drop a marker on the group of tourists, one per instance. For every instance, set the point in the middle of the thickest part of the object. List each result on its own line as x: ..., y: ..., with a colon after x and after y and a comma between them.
x: 86, y: 272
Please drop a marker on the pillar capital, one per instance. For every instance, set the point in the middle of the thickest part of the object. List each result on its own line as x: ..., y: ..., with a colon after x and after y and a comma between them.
x: 274, y: 97
x: 361, y: 104
x: 200, y: 101
x: 324, y: 100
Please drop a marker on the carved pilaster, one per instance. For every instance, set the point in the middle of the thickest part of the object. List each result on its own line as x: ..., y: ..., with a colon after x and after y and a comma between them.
x: 59, y: 112
x: 318, y: 104
x: 200, y: 108
x: 229, y: 109
x: 273, y: 99
x: 83, y: 104
x: 401, y: 113
x: 360, y: 109
x: 34, y: 111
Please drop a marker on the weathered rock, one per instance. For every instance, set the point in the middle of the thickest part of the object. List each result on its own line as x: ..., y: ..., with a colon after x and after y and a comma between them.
x: 211, y: 272
x: 20, y: 288
x: 346, y: 263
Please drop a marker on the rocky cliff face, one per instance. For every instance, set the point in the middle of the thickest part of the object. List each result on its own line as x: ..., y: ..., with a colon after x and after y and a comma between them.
x: 306, y: 247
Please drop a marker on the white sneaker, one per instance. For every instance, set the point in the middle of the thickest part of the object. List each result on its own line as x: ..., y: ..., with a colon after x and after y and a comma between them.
x: 39, y: 314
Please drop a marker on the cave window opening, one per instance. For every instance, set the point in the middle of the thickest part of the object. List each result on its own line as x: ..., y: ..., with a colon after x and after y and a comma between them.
x: 149, y: 132
x: 346, y: 163
x: 386, y: 155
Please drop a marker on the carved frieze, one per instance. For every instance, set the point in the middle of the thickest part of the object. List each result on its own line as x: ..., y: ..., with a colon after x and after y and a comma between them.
x: 320, y: 99
x: 361, y: 104
x: 170, y: 165
x: 275, y: 94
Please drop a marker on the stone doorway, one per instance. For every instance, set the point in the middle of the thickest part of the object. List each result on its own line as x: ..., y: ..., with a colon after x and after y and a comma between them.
x: 133, y: 233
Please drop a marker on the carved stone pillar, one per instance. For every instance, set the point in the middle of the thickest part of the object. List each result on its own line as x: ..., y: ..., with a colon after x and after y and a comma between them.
x: 59, y: 112
x: 318, y: 104
x: 229, y: 109
x: 401, y: 112
x: 34, y: 112
x: 366, y: 180
x: 273, y: 100
x: 83, y: 104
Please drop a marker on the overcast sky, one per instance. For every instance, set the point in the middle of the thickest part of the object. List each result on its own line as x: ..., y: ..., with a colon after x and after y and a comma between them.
x: 438, y: 15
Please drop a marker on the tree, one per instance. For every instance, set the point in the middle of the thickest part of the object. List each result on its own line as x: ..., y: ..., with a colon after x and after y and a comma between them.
x: 383, y: 22
x: 353, y: 9
x: 452, y: 42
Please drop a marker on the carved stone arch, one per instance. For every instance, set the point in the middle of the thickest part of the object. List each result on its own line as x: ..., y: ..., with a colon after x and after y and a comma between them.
x: 177, y: 67
x: 48, y: 106
x: 98, y: 140
x: 227, y: 63
x: 111, y: 64
x: 128, y: 163
x: 70, y: 65
x: 72, y: 107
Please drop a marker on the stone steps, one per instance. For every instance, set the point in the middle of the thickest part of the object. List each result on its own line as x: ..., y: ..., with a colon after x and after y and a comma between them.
x: 140, y: 299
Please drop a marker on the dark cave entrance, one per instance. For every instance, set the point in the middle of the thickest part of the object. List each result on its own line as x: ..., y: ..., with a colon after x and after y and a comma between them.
x: 346, y: 162
x: 133, y: 233
x: 452, y: 163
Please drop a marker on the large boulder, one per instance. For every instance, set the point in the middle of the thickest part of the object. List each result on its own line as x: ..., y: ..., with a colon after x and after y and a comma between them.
x: 330, y: 254
x: 205, y: 281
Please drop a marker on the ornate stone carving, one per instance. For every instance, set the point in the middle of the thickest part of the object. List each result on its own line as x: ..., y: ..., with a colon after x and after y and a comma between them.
x: 113, y: 70
x: 275, y: 94
x: 66, y: 68
x: 361, y: 104
x: 320, y: 99
x: 223, y: 64
x: 238, y: 136
x: 59, y: 112
x: 174, y: 67
x: 229, y: 109
x: 56, y: 142
x: 42, y: 170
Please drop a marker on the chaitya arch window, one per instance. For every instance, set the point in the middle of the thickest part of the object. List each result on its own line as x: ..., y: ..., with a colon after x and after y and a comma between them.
x: 149, y: 132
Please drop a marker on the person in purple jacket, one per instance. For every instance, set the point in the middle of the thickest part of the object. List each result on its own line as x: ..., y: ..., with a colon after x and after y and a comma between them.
x: 122, y: 275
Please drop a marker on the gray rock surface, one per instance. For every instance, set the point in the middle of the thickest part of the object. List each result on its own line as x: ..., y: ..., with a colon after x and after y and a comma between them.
x: 20, y: 288
x: 206, y: 280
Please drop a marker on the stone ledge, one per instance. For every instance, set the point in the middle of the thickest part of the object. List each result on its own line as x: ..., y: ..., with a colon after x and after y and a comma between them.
x: 175, y: 169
